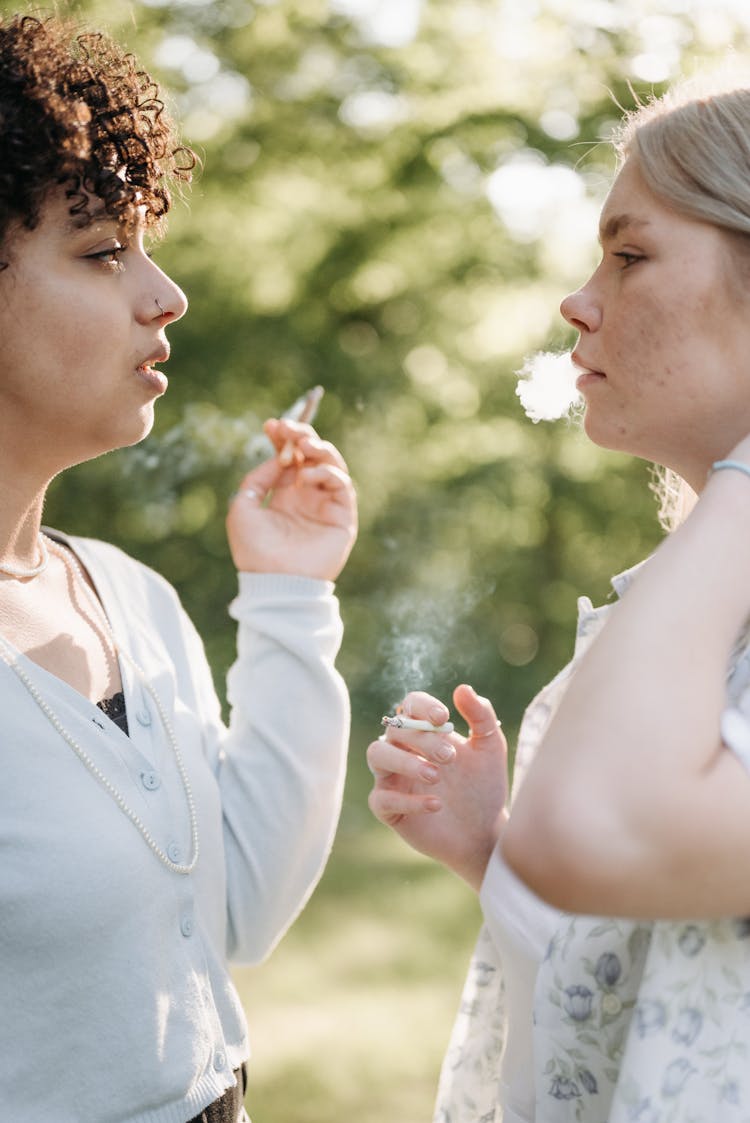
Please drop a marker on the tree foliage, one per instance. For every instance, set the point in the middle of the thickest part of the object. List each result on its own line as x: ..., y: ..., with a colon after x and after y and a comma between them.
x: 343, y: 231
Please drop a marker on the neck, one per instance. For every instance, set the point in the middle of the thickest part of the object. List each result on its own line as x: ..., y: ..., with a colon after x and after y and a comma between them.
x: 20, y: 523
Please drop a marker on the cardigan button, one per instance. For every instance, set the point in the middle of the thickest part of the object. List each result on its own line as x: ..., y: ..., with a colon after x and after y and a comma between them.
x: 151, y: 781
x: 219, y: 1061
x: 186, y: 926
x: 174, y: 853
x: 143, y: 717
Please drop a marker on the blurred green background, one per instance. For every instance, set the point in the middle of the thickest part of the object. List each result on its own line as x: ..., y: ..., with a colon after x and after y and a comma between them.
x: 395, y: 196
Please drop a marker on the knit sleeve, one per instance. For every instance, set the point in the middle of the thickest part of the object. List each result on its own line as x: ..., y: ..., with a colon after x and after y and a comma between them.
x: 280, y: 764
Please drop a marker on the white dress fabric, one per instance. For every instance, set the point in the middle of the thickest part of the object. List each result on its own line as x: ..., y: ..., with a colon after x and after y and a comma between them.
x: 631, y: 1021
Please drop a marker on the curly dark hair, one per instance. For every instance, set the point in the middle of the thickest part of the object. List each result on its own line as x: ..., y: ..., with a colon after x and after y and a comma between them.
x: 77, y: 110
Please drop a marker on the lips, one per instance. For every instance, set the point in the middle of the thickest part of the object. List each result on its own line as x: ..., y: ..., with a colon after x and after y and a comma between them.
x: 156, y: 379
x: 589, y: 375
x: 160, y: 355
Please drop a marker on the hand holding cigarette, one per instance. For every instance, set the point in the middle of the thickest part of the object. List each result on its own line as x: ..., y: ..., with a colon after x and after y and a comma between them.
x: 444, y: 795
x: 295, y: 512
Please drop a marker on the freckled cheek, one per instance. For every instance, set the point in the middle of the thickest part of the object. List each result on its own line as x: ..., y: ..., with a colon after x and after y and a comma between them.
x: 645, y: 350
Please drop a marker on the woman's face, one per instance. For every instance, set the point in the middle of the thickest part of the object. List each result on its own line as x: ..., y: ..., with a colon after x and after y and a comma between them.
x: 80, y: 328
x: 664, y: 334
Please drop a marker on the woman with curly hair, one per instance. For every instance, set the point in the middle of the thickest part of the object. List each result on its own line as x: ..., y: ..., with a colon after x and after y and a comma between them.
x: 143, y: 843
x: 611, y: 982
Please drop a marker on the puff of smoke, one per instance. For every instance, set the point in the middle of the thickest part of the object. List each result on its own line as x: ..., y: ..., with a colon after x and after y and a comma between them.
x: 546, y: 386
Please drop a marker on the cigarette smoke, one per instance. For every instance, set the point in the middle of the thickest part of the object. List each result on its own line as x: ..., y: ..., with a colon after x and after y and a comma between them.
x: 546, y: 386
x: 419, y: 646
x: 205, y: 439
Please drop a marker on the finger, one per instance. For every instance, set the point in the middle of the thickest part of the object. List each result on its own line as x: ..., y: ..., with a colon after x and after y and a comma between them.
x: 285, y: 435
x: 436, y: 747
x: 328, y: 477
x: 478, y: 712
x: 321, y: 451
x: 389, y: 805
x: 419, y: 704
x: 385, y: 758
x: 249, y: 497
x: 298, y: 438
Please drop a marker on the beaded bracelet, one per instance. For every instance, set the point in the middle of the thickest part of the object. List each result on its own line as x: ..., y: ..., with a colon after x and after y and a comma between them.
x: 736, y: 464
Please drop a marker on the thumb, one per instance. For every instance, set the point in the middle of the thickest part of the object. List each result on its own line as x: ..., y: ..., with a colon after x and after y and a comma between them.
x: 478, y: 712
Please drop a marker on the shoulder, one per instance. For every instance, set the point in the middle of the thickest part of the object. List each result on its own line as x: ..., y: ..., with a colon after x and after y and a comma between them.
x: 128, y: 578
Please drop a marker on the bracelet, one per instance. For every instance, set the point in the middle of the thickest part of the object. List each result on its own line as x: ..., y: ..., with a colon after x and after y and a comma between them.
x: 736, y: 464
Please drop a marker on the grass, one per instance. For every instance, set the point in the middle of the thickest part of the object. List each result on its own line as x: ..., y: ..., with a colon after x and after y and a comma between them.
x: 350, y: 1016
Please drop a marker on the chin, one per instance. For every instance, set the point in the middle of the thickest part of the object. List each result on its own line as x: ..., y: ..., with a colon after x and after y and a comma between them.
x: 606, y: 436
x: 144, y: 431
x: 122, y: 436
x: 139, y: 430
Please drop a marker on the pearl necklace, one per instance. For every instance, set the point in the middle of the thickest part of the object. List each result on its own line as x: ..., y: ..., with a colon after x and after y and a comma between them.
x: 30, y: 571
x: 8, y: 655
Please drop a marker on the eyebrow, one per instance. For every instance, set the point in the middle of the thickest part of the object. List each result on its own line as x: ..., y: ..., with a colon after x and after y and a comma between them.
x: 82, y: 220
x: 618, y: 222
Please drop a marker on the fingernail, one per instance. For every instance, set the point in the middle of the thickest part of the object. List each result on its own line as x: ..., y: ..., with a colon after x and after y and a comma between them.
x: 438, y: 715
x: 429, y: 772
x: 432, y: 803
x: 445, y: 751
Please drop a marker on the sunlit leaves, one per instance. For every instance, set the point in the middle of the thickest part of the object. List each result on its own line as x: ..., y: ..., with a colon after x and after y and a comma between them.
x: 395, y: 197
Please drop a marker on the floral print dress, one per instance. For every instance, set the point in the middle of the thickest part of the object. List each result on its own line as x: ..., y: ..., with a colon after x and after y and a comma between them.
x: 633, y: 1022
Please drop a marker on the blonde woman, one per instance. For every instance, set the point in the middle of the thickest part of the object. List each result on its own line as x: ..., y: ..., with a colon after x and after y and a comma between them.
x: 612, y: 977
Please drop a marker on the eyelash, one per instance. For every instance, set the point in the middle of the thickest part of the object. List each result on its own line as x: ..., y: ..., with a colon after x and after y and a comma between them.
x: 628, y: 258
x: 110, y: 258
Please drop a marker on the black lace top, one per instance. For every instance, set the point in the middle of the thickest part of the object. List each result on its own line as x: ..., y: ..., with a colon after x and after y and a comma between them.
x: 114, y: 708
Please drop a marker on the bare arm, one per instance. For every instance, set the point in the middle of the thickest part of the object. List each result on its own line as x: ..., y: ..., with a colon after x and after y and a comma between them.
x: 633, y: 806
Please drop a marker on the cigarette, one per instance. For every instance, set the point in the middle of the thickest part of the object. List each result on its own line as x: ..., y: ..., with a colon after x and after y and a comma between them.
x: 304, y: 410
x: 399, y: 722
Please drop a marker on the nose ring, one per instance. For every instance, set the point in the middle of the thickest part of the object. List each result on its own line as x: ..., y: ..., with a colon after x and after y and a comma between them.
x: 158, y: 305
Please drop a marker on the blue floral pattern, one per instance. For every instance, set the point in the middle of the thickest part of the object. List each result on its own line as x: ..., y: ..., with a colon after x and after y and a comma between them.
x: 581, y: 1028
x: 633, y: 1022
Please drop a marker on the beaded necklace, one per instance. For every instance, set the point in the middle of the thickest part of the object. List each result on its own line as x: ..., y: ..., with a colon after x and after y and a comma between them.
x: 32, y: 570
x: 8, y: 654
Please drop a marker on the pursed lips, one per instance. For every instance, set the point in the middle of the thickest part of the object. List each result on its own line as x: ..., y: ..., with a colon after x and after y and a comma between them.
x: 588, y: 374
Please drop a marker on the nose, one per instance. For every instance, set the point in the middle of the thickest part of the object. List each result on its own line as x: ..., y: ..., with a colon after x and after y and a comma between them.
x: 160, y: 298
x: 581, y: 310
x: 170, y: 300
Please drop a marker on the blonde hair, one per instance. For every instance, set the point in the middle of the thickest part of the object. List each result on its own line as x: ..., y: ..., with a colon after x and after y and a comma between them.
x: 693, y: 149
x: 675, y: 496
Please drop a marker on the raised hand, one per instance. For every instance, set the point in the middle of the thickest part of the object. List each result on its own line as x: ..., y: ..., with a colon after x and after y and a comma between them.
x: 295, y: 513
x: 443, y: 793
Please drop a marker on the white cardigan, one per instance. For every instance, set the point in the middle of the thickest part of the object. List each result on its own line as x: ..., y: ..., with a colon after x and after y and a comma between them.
x: 116, y: 1005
